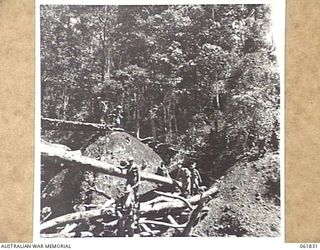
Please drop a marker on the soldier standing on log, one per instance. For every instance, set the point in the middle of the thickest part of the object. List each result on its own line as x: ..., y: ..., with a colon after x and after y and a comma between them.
x: 117, y: 116
x: 184, y: 176
x: 104, y: 109
x: 133, y: 177
x: 131, y: 204
x: 195, y: 179
x: 125, y: 214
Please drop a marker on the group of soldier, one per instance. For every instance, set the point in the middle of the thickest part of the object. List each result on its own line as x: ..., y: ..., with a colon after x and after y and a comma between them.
x: 188, y: 175
x: 111, y: 115
x: 128, y: 205
x: 190, y: 179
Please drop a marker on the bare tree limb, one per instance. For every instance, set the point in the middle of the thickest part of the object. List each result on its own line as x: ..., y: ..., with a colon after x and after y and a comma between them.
x: 68, y: 235
x: 161, y: 223
x: 70, y: 159
x: 171, y: 219
x: 175, y: 197
x: 145, y: 227
x: 101, y: 192
x: 151, y: 233
x: 108, y: 209
x: 54, y: 124
x: 68, y: 228
x: 163, y: 206
x: 193, y: 217
x: 78, y: 216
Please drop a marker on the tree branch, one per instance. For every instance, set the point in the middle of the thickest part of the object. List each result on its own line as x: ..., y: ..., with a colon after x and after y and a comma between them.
x: 70, y: 159
x: 175, y: 197
x: 56, y: 124
x: 78, y: 216
x: 107, y: 209
x: 193, y: 217
x: 161, y: 223
x: 68, y: 235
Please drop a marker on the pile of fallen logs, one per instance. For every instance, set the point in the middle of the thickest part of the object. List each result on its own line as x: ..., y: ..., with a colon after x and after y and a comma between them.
x: 164, y: 212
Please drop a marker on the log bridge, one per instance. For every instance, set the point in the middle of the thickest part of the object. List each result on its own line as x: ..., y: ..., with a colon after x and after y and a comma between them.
x: 167, y: 210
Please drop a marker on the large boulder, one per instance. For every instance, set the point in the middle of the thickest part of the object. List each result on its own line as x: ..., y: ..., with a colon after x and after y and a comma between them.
x: 70, y: 189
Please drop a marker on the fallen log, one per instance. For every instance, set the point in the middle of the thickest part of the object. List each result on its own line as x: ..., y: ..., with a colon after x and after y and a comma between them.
x: 68, y: 228
x: 70, y: 159
x: 54, y: 124
x: 78, y: 216
x: 68, y: 235
x: 161, y: 223
x: 175, y: 196
x: 145, y: 227
x: 192, y: 218
x: 172, y: 220
x: 149, y: 234
x: 162, y: 206
x: 145, y: 208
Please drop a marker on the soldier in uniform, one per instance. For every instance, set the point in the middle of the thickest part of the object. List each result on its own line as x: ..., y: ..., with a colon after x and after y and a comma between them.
x: 162, y: 170
x: 103, y: 110
x: 125, y: 214
x: 118, y: 115
x: 132, y: 193
x: 132, y: 175
x: 195, y: 179
x: 184, y: 176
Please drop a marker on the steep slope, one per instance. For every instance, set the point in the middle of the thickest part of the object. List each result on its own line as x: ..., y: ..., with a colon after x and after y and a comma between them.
x: 248, y: 203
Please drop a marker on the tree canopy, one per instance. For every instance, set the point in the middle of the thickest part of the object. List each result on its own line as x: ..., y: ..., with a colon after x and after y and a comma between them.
x: 176, y: 70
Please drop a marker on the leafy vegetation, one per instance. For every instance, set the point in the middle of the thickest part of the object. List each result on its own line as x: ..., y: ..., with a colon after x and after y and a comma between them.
x: 173, y: 69
x: 200, y: 80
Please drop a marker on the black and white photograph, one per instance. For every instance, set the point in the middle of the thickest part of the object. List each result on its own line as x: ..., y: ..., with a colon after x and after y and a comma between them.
x: 159, y: 121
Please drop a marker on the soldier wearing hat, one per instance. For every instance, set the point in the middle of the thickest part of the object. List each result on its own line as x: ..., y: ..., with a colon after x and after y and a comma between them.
x: 131, y: 203
x: 125, y: 212
x: 184, y: 176
x: 118, y: 115
x: 133, y: 177
x: 195, y: 179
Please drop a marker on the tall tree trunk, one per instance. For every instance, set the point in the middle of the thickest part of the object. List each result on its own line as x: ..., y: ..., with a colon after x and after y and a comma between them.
x: 138, y: 120
x: 165, y: 119
x: 175, y: 119
x: 217, y: 101
x: 103, y: 65
x: 212, y: 12
x: 170, y: 119
x: 153, y: 128
x: 65, y: 98
x: 195, y: 84
x: 152, y: 122
x: 217, y: 95
x: 108, y: 62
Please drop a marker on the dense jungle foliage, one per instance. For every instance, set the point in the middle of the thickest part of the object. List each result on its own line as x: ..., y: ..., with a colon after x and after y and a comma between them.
x: 203, y: 78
